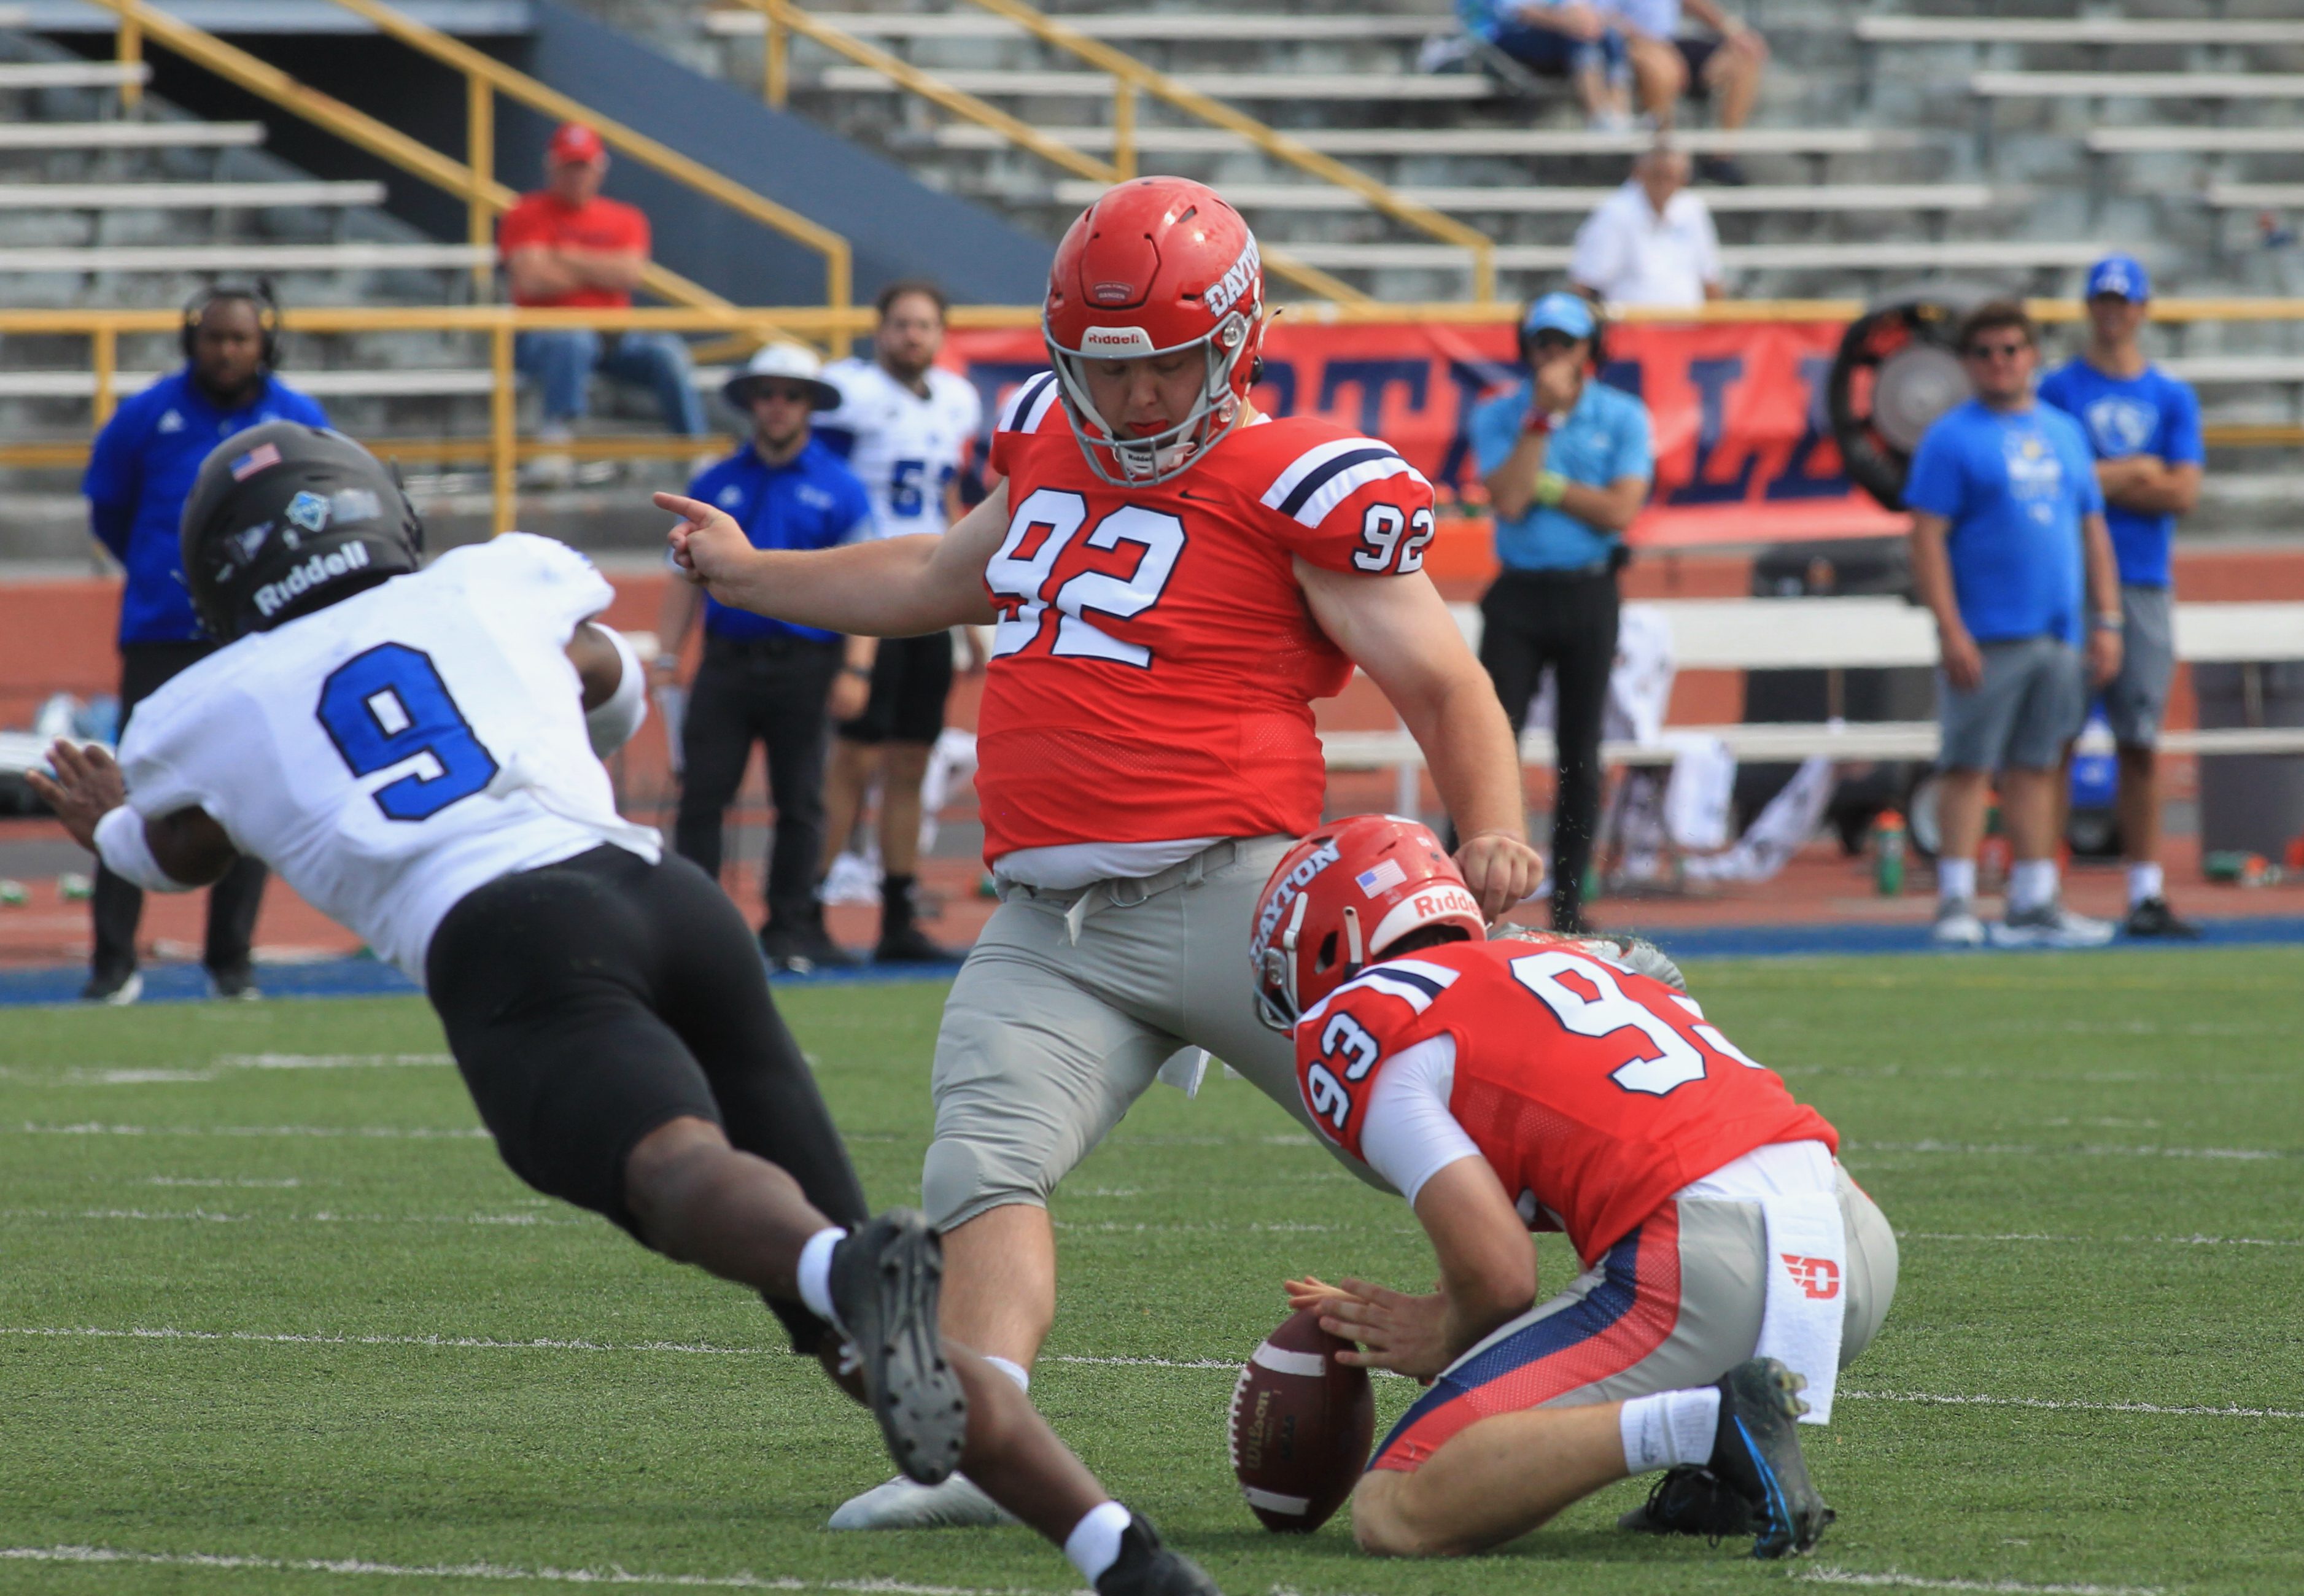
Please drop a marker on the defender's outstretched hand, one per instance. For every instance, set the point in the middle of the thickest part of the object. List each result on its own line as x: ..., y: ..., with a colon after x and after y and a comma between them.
x: 706, y: 545
x: 1397, y: 1331
x: 87, y: 786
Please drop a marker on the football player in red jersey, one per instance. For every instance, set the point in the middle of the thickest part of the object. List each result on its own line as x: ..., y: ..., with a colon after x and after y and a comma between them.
x: 1172, y: 580
x: 1548, y: 1084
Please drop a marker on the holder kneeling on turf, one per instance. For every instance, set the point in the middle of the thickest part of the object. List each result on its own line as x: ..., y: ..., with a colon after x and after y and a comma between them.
x: 1564, y: 1084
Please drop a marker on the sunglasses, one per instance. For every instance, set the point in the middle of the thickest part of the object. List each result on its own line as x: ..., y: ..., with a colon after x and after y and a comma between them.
x: 1996, y: 351
x: 1550, y: 339
x: 785, y: 392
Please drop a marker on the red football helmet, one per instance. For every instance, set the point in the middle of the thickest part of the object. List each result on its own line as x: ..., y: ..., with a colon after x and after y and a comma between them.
x: 1155, y: 265
x: 1340, y: 897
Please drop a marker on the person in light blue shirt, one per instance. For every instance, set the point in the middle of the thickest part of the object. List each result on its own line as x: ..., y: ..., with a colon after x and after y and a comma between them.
x: 1567, y: 461
x: 1574, y: 40
x: 140, y: 472
x: 2144, y: 427
x: 2011, y: 554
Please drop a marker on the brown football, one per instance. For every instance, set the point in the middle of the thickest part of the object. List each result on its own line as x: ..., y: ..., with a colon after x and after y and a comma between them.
x: 1301, y: 1424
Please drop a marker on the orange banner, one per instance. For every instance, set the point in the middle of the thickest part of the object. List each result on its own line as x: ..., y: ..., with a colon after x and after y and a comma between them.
x: 1744, y: 449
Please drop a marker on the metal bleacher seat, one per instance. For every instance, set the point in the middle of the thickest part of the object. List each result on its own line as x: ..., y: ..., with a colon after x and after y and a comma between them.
x: 16, y: 76
x: 2185, y: 140
x: 2077, y: 31
x: 1466, y: 141
x: 2153, y: 85
x: 1228, y: 86
x: 1895, y: 255
x: 355, y: 384
x: 130, y: 135
x: 1769, y: 198
x: 243, y: 258
x: 1120, y: 27
x: 178, y: 197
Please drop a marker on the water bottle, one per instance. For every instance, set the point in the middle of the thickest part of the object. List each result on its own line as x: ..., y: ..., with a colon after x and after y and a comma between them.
x: 1888, y: 854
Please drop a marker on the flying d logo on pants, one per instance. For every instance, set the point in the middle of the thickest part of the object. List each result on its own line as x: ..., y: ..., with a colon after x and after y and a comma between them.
x: 1820, y: 1278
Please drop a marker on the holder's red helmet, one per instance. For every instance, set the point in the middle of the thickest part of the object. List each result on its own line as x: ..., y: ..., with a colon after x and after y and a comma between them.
x: 1155, y: 265
x: 1340, y: 897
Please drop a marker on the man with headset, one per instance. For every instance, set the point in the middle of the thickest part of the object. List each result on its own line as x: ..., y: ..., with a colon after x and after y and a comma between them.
x: 1567, y: 460
x: 140, y: 470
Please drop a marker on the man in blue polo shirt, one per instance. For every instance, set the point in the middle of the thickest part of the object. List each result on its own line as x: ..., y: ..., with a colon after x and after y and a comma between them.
x: 138, y: 473
x: 764, y: 680
x: 2145, y: 429
x: 2011, y: 554
x: 1567, y: 460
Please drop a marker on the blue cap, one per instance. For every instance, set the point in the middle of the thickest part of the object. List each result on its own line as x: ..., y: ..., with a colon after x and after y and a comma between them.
x: 2121, y: 275
x: 1560, y: 312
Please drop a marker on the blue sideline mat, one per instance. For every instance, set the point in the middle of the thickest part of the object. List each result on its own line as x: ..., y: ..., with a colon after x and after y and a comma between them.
x: 372, y: 978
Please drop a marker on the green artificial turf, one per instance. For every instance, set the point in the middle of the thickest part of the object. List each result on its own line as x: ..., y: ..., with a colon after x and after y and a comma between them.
x: 2096, y: 1164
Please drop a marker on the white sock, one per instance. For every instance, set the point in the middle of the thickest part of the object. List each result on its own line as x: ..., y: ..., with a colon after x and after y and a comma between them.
x: 1094, y: 1545
x: 1956, y: 878
x: 1017, y: 1373
x: 815, y: 1275
x: 1669, y: 1428
x: 2032, y: 882
x: 2144, y: 881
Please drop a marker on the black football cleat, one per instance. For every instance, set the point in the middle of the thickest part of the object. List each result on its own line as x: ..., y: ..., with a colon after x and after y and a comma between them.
x: 1757, y: 1454
x: 885, y: 1277
x: 803, y: 949
x: 1690, y: 1500
x: 2153, y: 917
x: 909, y: 945
x: 1144, y: 1567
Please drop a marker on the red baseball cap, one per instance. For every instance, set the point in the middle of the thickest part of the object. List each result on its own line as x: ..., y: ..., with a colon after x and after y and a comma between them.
x: 573, y: 143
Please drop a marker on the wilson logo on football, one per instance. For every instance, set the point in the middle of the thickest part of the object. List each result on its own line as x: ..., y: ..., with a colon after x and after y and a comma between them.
x: 1820, y: 1278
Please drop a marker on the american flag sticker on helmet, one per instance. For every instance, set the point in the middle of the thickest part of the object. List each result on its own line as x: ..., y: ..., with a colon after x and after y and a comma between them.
x: 1385, y: 876
x: 262, y: 458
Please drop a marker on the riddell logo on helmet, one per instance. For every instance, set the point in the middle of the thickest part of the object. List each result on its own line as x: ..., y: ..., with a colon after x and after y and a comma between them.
x: 1116, y: 341
x: 1447, y: 900
x: 273, y: 597
x: 1235, y: 282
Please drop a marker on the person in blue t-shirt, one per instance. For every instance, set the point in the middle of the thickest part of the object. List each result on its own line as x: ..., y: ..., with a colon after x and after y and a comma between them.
x: 2145, y: 429
x: 1567, y: 460
x: 2010, y: 552
x: 138, y: 473
x: 763, y: 681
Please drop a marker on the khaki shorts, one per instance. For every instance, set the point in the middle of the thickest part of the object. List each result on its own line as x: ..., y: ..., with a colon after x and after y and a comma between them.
x: 1675, y: 1305
x: 1046, y: 1042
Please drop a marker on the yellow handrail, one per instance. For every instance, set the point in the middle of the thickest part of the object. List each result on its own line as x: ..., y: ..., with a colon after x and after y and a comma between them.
x: 471, y: 179
x: 782, y: 16
x: 502, y: 448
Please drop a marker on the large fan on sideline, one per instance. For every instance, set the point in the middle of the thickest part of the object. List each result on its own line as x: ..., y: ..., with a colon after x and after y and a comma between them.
x: 1898, y: 369
x: 1302, y: 1426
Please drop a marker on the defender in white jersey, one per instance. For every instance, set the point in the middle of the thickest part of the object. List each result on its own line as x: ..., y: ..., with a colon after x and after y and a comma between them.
x: 904, y: 424
x: 417, y: 752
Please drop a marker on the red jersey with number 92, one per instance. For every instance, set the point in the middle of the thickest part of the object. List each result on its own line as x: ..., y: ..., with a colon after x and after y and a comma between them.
x: 1154, y: 662
x: 1594, y: 1093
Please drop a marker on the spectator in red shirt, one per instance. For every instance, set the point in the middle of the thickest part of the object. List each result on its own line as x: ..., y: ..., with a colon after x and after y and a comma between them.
x: 566, y: 246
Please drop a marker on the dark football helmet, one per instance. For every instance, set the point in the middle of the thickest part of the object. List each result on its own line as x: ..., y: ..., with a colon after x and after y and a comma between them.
x: 285, y: 519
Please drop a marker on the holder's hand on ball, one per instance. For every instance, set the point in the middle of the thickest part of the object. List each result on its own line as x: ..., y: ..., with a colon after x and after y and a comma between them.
x: 1406, y: 1334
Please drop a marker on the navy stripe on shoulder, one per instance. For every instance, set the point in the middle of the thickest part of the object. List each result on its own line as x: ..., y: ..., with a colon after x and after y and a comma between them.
x: 1314, y: 480
x: 1021, y: 403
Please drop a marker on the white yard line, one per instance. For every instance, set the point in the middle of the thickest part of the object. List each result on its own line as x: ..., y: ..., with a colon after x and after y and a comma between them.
x: 2173, y: 1241
x: 413, y: 1132
x: 1229, y: 1366
x: 1932, y: 1399
x: 1913, y: 1582
x: 610, y: 1575
x: 2002, y: 1149
x: 330, y: 1061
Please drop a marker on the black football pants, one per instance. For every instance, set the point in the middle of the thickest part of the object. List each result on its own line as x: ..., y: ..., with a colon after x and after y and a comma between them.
x: 119, y: 904
x: 772, y: 691
x: 1535, y: 620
